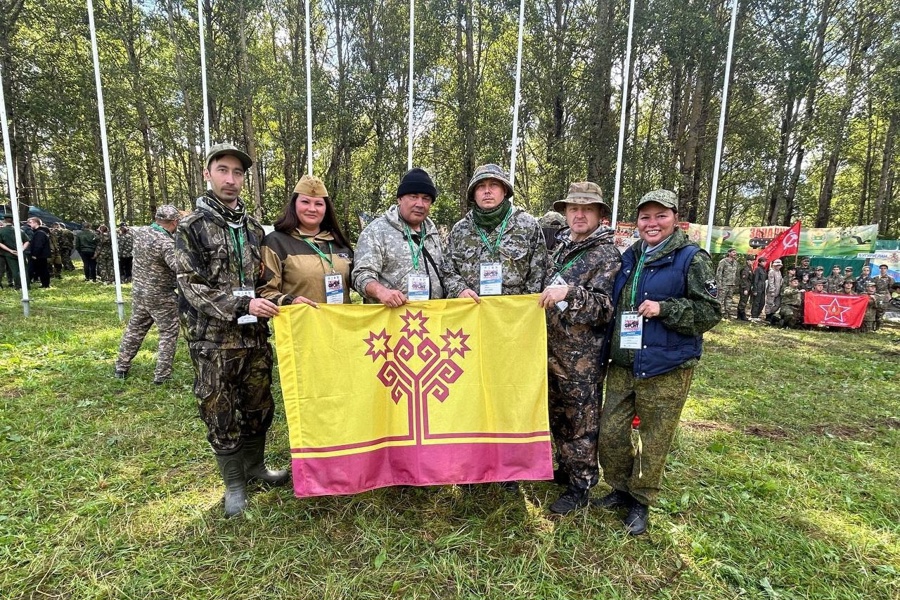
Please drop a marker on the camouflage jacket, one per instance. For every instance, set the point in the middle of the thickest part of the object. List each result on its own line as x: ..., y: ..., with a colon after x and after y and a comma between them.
x: 727, y: 272
x: 126, y: 244
x: 834, y: 284
x: 66, y: 241
x: 154, y: 264
x: 883, y: 285
x: 522, y: 253
x: 103, y: 250
x: 212, y: 260
x: 383, y: 255
x: 575, y: 335
x: 746, y: 280
x: 859, y: 285
x: 791, y: 297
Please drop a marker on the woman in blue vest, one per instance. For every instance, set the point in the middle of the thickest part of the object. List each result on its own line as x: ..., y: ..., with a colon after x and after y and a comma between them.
x: 666, y: 298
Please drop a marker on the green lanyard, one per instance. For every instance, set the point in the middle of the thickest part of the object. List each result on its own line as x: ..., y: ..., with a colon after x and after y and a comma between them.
x: 159, y: 227
x: 566, y: 266
x: 412, y: 249
x: 484, y: 238
x: 323, y: 256
x: 637, y: 276
x: 239, y: 244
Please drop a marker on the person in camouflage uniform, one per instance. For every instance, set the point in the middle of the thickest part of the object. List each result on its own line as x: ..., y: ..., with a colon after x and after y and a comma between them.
x: 153, y: 295
x: 667, y: 287
x: 86, y: 245
x: 494, y: 232
x: 745, y: 288
x: 579, y: 305
x: 817, y: 275
x: 401, y: 245
x: 550, y: 224
x: 860, y: 284
x: 9, y: 255
x: 217, y: 263
x: 834, y: 282
x: 55, y: 252
x: 847, y: 288
x: 790, y: 314
x: 126, y: 251
x: 104, y: 256
x: 802, y: 268
x: 727, y: 279
x: 868, y: 325
x: 66, y: 245
x: 883, y: 283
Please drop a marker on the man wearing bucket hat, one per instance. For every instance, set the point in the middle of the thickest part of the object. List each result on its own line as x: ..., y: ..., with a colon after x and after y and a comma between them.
x: 217, y: 262
x: 579, y: 305
x: 398, y: 255
x: 153, y: 294
x: 497, y: 248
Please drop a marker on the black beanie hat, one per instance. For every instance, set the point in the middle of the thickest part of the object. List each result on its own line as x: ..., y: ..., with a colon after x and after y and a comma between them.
x: 417, y: 181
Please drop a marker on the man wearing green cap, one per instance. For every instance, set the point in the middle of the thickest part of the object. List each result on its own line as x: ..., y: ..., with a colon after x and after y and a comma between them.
x: 217, y: 263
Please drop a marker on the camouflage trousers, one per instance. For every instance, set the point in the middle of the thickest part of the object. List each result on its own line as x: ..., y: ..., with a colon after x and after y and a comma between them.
x: 65, y: 255
x: 790, y: 316
x: 658, y: 401
x: 234, y: 390
x: 144, y: 313
x: 574, y: 423
x: 726, y: 295
x: 106, y: 270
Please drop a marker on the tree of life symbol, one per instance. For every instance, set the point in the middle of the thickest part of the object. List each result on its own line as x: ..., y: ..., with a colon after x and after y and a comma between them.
x: 438, y: 371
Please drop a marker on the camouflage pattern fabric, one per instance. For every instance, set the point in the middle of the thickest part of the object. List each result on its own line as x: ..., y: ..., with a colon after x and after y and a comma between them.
x: 234, y: 391
x: 883, y: 285
x: 868, y: 325
x: 104, y: 257
x: 126, y: 243
x: 522, y: 253
x: 383, y: 255
x: 791, y: 312
x: 153, y: 300
x: 658, y: 402
x: 66, y: 245
x: 55, y: 254
x: 209, y: 268
x: 859, y: 284
x: 773, y: 291
x: 726, y: 279
x: 574, y: 423
x: 746, y: 285
x: 834, y: 283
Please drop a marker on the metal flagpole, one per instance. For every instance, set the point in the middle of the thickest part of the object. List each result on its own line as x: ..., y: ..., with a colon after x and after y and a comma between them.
x: 516, y: 99
x: 109, y: 191
x: 203, y: 78
x: 309, y: 138
x: 626, y: 71
x: 721, y: 137
x: 412, y: 33
x: 14, y: 202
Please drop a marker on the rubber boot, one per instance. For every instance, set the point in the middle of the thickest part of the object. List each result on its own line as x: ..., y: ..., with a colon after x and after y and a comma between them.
x: 231, y: 466
x: 255, y: 465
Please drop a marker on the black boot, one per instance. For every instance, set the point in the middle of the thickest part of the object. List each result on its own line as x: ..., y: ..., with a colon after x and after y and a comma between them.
x: 742, y: 315
x: 560, y: 477
x: 231, y: 466
x: 572, y: 499
x: 637, y: 518
x: 255, y: 466
x: 614, y: 500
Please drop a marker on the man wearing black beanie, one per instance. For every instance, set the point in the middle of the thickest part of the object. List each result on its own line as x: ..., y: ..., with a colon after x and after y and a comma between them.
x: 398, y: 255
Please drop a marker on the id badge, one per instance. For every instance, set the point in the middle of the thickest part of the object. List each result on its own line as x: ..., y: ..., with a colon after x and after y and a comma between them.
x: 247, y: 293
x: 632, y: 330
x: 334, y: 289
x: 418, y: 287
x: 558, y: 281
x: 491, y: 281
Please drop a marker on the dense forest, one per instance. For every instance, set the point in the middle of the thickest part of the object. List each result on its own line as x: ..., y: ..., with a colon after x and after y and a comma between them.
x: 813, y: 107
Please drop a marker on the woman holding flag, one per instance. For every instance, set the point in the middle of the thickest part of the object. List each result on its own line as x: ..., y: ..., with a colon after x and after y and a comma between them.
x: 307, y: 259
x: 666, y: 298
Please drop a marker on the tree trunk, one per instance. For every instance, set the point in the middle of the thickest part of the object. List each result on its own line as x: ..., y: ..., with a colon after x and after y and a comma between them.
x: 246, y: 93
x: 887, y: 174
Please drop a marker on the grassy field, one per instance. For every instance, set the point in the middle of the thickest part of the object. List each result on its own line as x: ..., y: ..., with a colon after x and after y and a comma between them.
x: 783, y: 483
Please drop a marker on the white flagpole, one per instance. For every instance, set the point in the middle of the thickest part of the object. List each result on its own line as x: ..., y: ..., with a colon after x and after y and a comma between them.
x: 14, y: 202
x: 109, y: 191
x: 200, y: 19
x: 626, y: 71
x: 515, y: 127
x: 721, y: 137
x: 309, y: 137
x: 412, y: 33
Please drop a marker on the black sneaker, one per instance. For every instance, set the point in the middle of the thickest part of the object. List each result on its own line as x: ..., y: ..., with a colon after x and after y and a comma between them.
x: 560, y: 477
x: 121, y: 374
x: 637, y: 518
x: 510, y: 486
x: 571, y: 499
x: 614, y: 500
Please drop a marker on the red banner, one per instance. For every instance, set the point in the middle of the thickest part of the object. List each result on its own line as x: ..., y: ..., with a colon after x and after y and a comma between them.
x: 787, y: 243
x: 834, y: 310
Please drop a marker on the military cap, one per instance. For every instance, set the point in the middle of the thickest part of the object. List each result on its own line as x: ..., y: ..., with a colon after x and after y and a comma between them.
x: 167, y: 212
x: 777, y: 262
x: 872, y: 284
x: 552, y: 219
x: 312, y: 186
x: 666, y: 198
x: 848, y: 268
x: 583, y: 192
x: 228, y: 150
x: 489, y: 171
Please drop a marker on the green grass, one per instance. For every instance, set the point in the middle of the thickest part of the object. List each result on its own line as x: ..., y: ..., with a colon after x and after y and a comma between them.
x: 782, y: 484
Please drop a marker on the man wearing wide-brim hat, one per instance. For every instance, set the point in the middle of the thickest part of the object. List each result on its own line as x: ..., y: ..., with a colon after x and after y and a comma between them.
x: 579, y: 303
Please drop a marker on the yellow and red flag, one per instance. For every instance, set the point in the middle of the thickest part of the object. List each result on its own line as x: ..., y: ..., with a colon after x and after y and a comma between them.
x: 834, y: 310
x: 431, y: 393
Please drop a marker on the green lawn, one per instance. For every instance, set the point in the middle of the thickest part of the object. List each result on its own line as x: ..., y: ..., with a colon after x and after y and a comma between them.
x: 783, y: 483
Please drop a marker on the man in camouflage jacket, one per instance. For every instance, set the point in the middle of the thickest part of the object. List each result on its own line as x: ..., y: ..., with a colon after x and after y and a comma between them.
x: 883, y: 283
x: 153, y: 295
x: 726, y: 279
x: 745, y: 288
x: 494, y: 232
x: 579, y: 305
x: 217, y: 263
